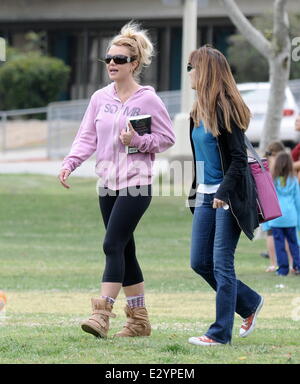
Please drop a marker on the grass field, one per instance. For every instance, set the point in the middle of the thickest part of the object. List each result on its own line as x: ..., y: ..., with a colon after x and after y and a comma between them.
x: 51, y: 262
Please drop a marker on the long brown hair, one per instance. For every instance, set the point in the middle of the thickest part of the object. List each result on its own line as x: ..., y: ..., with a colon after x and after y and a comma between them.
x: 215, y: 86
x: 283, y: 167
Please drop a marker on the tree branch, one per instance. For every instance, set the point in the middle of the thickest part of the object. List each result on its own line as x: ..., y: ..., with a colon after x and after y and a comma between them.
x: 281, y: 23
x: 254, y: 36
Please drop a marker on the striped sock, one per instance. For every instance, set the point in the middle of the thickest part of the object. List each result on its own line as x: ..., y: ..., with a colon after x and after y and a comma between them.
x: 109, y: 299
x: 136, y: 301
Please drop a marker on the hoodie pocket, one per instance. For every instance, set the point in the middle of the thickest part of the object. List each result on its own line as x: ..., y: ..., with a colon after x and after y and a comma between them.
x: 139, y: 164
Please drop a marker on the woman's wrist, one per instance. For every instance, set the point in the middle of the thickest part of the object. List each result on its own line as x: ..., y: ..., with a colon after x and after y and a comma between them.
x: 136, y: 140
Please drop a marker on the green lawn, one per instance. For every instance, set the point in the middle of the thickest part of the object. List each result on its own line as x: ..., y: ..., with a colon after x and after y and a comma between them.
x: 51, y: 263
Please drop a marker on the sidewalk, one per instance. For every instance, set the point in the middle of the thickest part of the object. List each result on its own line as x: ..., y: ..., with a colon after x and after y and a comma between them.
x: 46, y: 167
x: 36, y: 162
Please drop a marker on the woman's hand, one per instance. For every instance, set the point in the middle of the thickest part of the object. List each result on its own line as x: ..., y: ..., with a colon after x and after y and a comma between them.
x: 64, y: 174
x: 219, y: 203
x: 126, y: 136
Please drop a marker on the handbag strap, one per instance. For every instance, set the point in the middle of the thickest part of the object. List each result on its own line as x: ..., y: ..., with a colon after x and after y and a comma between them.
x: 254, y: 153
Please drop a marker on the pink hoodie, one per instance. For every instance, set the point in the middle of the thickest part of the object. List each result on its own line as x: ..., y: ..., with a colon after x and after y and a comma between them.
x: 100, y: 129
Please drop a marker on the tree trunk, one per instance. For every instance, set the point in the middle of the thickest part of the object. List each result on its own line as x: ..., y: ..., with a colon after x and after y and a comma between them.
x: 279, y: 74
x: 279, y: 67
x: 278, y: 53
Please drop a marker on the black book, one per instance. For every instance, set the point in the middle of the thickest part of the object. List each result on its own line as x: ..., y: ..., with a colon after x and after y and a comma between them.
x: 141, y: 124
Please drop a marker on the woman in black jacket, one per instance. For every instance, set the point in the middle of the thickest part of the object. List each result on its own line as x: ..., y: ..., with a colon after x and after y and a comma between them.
x: 222, y: 197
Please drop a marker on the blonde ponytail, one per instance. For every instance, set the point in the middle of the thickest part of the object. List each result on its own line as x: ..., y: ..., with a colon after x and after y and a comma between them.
x: 138, y: 42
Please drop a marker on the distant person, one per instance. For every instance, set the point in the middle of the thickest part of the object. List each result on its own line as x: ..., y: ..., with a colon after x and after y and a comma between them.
x: 285, y: 227
x: 296, y: 164
x: 271, y: 152
x: 272, y: 149
x: 223, y: 197
x: 125, y: 180
x: 296, y: 151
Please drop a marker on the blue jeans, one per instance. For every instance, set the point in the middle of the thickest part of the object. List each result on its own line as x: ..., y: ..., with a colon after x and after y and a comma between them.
x: 215, y: 234
x: 279, y: 235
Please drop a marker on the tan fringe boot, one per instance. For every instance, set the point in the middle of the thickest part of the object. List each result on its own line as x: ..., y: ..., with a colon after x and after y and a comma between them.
x: 137, y: 323
x: 98, y: 323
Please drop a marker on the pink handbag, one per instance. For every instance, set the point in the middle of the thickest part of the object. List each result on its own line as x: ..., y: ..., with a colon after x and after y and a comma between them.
x: 267, y: 201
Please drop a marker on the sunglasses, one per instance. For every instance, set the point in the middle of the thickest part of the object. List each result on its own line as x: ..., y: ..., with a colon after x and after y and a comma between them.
x: 118, y: 59
x: 189, y: 67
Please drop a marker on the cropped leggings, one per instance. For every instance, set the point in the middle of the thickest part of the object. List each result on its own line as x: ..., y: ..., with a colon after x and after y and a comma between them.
x: 121, y: 211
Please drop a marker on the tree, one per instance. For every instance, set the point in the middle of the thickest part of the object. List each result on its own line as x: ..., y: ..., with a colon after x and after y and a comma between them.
x: 247, y: 63
x: 278, y: 55
x: 31, y: 80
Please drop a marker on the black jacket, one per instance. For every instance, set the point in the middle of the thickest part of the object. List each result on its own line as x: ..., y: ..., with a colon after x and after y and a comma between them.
x: 237, y: 188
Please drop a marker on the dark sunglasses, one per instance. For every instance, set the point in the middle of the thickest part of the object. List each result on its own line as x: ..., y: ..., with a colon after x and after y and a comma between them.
x: 118, y: 59
x: 189, y: 67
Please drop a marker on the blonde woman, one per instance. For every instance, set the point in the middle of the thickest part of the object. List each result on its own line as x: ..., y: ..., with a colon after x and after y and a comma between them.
x: 125, y: 180
x: 222, y: 197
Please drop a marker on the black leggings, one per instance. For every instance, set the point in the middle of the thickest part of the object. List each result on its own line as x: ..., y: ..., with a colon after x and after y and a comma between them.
x: 121, y: 211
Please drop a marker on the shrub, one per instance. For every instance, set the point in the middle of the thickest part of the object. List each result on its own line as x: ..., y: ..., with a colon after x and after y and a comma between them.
x: 31, y: 80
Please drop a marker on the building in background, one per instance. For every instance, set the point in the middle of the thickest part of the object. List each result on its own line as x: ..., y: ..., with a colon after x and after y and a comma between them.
x: 78, y: 32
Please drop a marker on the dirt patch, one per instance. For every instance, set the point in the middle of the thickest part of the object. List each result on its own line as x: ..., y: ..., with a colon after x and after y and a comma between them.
x: 20, y: 133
